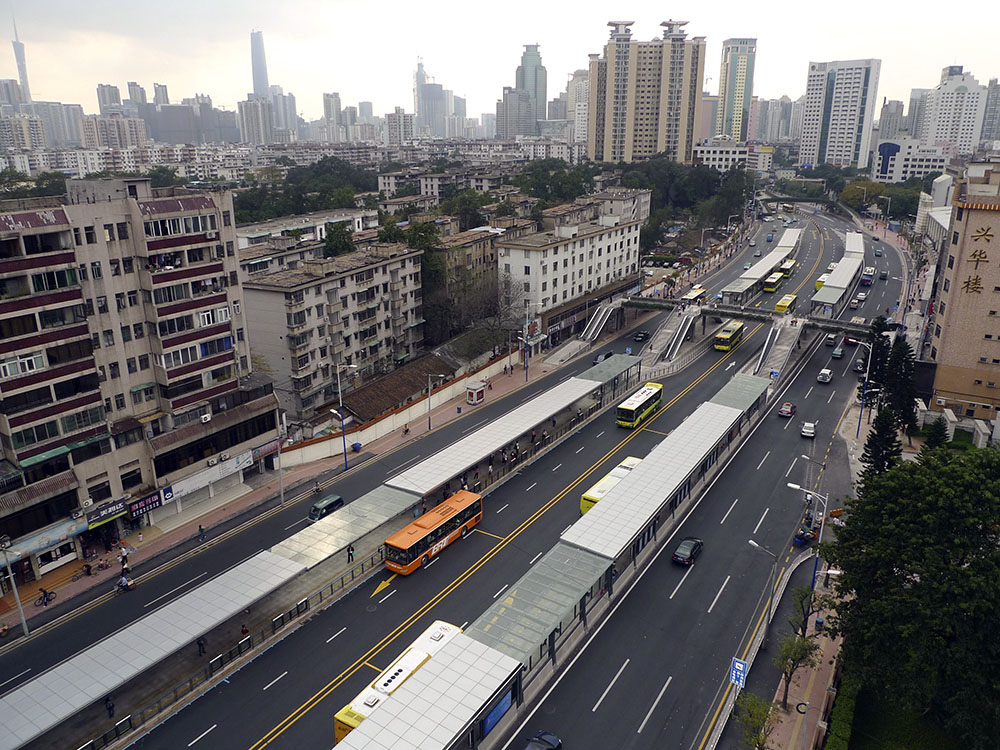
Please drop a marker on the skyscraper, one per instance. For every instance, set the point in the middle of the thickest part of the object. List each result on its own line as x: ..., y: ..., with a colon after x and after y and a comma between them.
x: 398, y: 127
x: 515, y: 114
x: 136, y: 93
x: 954, y: 111
x: 160, y: 95
x: 890, y: 119
x: 645, y: 96
x: 991, y: 117
x: 258, y: 62
x: 333, y: 116
x: 256, y: 120
x: 735, y: 88
x: 840, y: 104
x: 22, y: 66
x: 915, y: 112
x: 532, y: 77
x: 108, y: 98
x: 365, y: 112
x: 283, y: 107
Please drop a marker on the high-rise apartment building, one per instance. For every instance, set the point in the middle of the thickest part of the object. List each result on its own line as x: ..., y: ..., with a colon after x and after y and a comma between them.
x: 258, y: 64
x: 966, y: 342
x: 136, y: 93
x: 160, y: 95
x: 795, y: 122
x: 890, y: 120
x: 256, y: 120
x: 645, y: 96
x: 532, y: 77
x: 22, y: 65
x: 283, y: 107
x: 735, y: 88
x: 707, y: 115
x: 840, y: 108
x: 515, y: 114
x: 915, y: 112
x: 333, y: 116
x: 954, y: 112
x: 125, y: 376
x: 398, y: 127
x: 365, y: 112
x: 113, y: 131
x: 108, y: 98
x: 991, y: 115
x: 22, y: 133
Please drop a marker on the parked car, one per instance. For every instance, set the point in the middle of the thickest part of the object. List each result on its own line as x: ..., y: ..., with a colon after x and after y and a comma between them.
x: 808, y: 430
x: 825, y: 375
x: 687, y: 550
x: 787, y: 409
x: 544, y: 741
x: 837, y: 353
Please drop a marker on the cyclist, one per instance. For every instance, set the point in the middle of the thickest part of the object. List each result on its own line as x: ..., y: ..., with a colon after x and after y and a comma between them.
x: 123, y: 583
x: 45, y: 597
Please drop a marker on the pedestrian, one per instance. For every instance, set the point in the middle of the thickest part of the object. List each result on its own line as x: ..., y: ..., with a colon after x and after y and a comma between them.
x: 125, y: 569
x: 201, y: 645
x: 545, y: 437
x: 476, y: 477
x: 423, y: 507
x: 534, y: 435
x: 489, y: 385
x: 244, y: 631
x: 110, y: 706
x: 45, y: 597
x: 201, y: 533
x: 505, y: 369
x: 350, y: 553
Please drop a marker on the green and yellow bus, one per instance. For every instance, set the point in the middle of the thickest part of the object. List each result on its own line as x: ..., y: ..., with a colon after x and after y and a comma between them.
x: 695, y: 296
x: 729, y: 336
x: 634, y: 410
x: 821, y: 281
x: 602, y: 488
x: 786, y: 304
x: 772, y: 282
x: 787, y: 268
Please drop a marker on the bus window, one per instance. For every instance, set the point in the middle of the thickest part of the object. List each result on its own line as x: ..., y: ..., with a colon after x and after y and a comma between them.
x: 417, y: 543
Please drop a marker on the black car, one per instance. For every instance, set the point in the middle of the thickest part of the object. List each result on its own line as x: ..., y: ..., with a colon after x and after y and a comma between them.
x: 641, y: 336
x: 544, y: 741
x: 601, y: 357
x: 687, y: 550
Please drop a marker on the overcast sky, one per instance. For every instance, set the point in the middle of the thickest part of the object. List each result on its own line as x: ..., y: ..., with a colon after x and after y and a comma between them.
x: 368, y: 50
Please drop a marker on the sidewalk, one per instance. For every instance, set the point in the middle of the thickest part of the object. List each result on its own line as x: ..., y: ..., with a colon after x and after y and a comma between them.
x: 154, y: 546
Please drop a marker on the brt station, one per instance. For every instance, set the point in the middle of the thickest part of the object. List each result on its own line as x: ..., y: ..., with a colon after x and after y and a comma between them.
x: 751, y: 281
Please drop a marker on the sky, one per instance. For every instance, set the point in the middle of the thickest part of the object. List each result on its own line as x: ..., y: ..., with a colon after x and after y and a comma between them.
x: 367, y: 51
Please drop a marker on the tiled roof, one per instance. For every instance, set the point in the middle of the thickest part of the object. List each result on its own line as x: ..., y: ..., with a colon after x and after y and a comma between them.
x: 395, y: 389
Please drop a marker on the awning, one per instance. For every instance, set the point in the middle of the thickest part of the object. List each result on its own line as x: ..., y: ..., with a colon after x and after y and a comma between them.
x: 143, y: 387
x: 42, y: 540
x: 150, y: 417
x: 63, y: 449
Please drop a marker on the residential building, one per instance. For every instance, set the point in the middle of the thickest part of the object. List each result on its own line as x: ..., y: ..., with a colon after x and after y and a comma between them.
x: 283, y: 106
x: 577, y: 97
x: 333, y: 115
x: 760, y: 158
x: 891, y: 120
x: 966, y: 339
x: 160, y: 95
x: 127, y: 391
x: 136, y: 93
x: 10, y: 91
x: 309, y: 227
x: 645, y: 97
x: 417, y: 202
x: 365, y: 112
x: 899, y: 159
x: 515, y: 114
x: 258, y: 65
x: 557, y: 107
x: 735, y: 88
x: 398, y: 127
x: 362, y: 308
x: 108, y: 98
x: 954, y: 112
x: 532, y: 78
x: 915, y: 112
x: 840, y: 104
x: 22, y: 65
x: 556, y: 277
x: 256, y: 120
x: 795, y: 120
x: 21, y: 132
x: 721, y: 153
x: 113, y: 131
x: 707, y: 116
x: 991, y: 114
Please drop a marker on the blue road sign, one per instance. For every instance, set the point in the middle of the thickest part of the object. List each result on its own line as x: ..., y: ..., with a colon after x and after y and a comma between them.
x: 738, y: 672
x: 628, y: 349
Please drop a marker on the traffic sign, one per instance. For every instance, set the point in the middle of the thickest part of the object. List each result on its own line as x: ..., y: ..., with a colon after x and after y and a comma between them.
x: 738, y: 672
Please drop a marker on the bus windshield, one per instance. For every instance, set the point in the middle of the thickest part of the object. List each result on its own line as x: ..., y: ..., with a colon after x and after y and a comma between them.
x: 639, y: 405
x: 772, y: 282
x: 417, y: 543
x: 786, y: 304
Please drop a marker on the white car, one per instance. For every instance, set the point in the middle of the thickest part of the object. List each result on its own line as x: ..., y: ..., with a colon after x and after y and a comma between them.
x: 862, y: 296
x: 808, y: 429
x: 825, y: 375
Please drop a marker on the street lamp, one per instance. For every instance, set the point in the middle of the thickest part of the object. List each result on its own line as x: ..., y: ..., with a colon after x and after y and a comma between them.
x: 340, y: 400
x: 822, y: 523
x: 282, y: 434
x: 4, y: 546
x: 888, y: 207
x: 429, y: 386
x: 770, y: 582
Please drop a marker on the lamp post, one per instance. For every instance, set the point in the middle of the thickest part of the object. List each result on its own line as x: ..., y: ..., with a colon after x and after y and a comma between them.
x: 888, y: 207
x: 770, y: 582
x: 822, y: 524
x: 429, y: 386
x: 282, y: 433
x: 4, y: 546
x: 340, y: 401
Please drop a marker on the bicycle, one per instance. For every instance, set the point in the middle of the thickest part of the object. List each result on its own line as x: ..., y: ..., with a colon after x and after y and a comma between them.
x: 78, y: 574
x: 49, y: 596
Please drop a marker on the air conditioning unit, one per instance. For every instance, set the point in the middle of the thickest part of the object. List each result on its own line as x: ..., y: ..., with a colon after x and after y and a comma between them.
x: 941, y: 402
x: 213, y: 461
x: 223, y: 456
x: 211, y: 235
x: 206, y: 418
x: 86, y: 503
x: 167, y: 268
x: 77, y: 514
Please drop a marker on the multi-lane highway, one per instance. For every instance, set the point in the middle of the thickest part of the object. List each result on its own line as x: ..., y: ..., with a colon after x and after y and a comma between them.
x: 673, y: 625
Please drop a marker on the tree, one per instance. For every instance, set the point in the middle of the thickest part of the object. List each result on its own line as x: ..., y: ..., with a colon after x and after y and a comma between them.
x: 757, y: 719
x: 506, y: 208
x: 919, y: 553
x: 423, y: 237
x: 794, y: 652
x: 883, y: 448
x: 390, y: 232
x: 900, y: 390
x: 162, y: 176
x: 880, y: 350
x: 50, y: 183
x: 937, y: 434
x: 338, y: 239
x: 466, y: 207
x: 803, y: 601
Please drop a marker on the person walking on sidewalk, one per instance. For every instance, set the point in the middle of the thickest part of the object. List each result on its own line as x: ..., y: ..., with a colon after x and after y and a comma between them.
x: 201, y: 533
x: 201, y: 645
x: 350, y: 553
x: 110, y: 706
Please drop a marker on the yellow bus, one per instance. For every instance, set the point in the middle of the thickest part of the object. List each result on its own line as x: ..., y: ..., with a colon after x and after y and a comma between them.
x: 787, y: 268
x: 633, y: 410
x: 602, y: 488
x: 375, y: 694
x: 821, y: 281
x: 786, y: 304
x: 772, y: 282
x: 696, y: 295
x: 729, y: 336
x: 787, y: 208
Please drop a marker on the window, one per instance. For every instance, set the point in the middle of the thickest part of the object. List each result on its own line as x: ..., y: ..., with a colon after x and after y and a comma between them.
x: 82, y: 419
x: 176, y: 325
x: 239, y: 334
x: 126, y: 334
x: 95, y: 270
x: 130, y: 365
x: 120, y: 300
x: 109, y: 338
x: 954, y: 238
x: 119, y: 401
x: 95, y: 340
x: 131, y: 478
x: 223, y: 344
x: 143, y: 361
x: 174, y: 293
x: 127, y: 438
x: 43, y: 282
x: 236, y: 308
x: 951, y: 261
x: 115, y: 370
x: 230, y: 249
x: 102, y: 304
x: 138, y: 330
x: 99, y: 492
x: 116, y: 267
x: 22, y: 363
x: 122, y: 228
x: 128, y: 265
x: 133, y: 298
x: 90, y: 234
x: 226, y: 219
x: 35, y: 434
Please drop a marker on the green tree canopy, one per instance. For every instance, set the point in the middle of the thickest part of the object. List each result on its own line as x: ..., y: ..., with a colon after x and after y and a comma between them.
x: 466, y: 207
x: 338, y: 239
x: 882, y: 448
x: 756, y: 718
x: 901, y: 390
x: 919, y: 555
x: 880, y: 350
x: 506, y: 208
x: 794, y: 652
x: 390, y: 232
x: 937, y: 434
x: 161, y: 176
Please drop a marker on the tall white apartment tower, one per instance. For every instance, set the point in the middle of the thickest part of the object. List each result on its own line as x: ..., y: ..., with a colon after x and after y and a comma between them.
x: 954, y: 112
x: 735, y: 88
x: 645, y: 96
x: 840, y: 106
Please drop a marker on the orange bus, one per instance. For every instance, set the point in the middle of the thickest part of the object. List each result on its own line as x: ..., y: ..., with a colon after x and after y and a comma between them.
x: 419, y: 542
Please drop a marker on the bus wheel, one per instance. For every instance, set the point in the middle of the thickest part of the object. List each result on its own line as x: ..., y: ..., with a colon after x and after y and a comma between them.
x: 425, y: 561
x: 465, y: 531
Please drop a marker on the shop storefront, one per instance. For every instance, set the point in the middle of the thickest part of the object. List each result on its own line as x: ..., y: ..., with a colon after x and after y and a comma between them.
x: 35, y: 555
x: 202, y: 488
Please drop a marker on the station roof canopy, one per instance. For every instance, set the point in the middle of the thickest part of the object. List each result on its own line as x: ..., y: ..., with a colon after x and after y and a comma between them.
x: 741, y: 391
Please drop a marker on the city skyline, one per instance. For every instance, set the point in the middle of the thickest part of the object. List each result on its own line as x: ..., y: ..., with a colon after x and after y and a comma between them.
x: 106, y: 50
